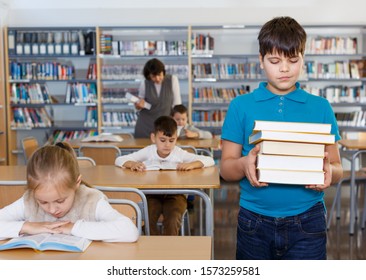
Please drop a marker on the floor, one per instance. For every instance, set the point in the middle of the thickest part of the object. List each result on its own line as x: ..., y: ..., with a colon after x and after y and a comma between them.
x: 340, y: 245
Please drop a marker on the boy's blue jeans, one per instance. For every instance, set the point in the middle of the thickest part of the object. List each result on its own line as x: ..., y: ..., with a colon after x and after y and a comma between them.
x: 300, y: 237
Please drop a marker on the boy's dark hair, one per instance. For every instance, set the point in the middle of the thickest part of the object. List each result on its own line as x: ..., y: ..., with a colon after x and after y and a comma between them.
x: 153, y: 67
x: 165, y: 124
x: 181, y: 109
x: 283, y: 35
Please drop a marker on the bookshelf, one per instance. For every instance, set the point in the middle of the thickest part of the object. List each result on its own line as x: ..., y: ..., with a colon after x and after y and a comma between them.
x: 213, y: 63
x: 224, y: 65
x: 3, y: 143
x: 123, y: 51
x: 51, y: 85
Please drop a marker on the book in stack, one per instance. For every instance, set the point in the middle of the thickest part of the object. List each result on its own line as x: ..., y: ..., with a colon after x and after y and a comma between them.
x: 291, y: 152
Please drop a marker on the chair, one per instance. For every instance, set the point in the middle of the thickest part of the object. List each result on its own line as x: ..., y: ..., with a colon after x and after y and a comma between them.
x: 86, y: 161
x: 137, y: 217
x: 132, y: 194
x: 101, y: 154
x: 29, y: 145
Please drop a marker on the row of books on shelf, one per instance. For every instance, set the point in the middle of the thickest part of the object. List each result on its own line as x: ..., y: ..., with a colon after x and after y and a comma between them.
x: 41, y: 71
x: 208, y: 117
x: 39, y: 117
x: 331, y: 45
x: 334, y: 70
x: 67, y: 42
x: 339, y: 93
x: 134, y: 71
x: 119, y: 119
x: 249, y: 70
x: 30, y: 94
x: 217, y: 95
x: 30, y: 118
x: 142, y: 47
x: 202, y: 44
x: 61, y: 135
x: 91, y: 117
x: 351, y: 119
x: 117, y: 95
x: 81, y: 93
x: 291, y: 152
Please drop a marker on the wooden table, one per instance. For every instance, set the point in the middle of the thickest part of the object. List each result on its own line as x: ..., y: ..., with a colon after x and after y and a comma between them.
x: 150, y: 182
x: 352, y: 150
x: 139, y: 143
x: 146, y: 248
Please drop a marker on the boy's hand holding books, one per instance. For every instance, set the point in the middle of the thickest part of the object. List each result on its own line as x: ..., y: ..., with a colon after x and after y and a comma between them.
x: 250, y: 168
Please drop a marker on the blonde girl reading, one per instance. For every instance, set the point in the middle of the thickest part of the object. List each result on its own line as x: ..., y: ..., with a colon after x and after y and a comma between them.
x: 58, y: 201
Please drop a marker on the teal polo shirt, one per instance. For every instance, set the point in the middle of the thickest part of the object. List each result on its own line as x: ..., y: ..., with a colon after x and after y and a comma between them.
x: 276, y: 200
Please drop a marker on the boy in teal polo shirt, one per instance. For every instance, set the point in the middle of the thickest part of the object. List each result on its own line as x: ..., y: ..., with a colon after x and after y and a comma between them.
x: 278, y: 221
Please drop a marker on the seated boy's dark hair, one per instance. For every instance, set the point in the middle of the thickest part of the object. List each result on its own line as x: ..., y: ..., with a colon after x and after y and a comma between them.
x: 181, y: 109
x: 283, y: 35
x: 165, y: 124
x: 153, y: 67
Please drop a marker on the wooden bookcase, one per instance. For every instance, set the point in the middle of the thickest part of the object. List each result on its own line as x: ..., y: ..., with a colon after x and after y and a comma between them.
x: 3, y: 140
x: 49, y: 87
x: 123, y: 51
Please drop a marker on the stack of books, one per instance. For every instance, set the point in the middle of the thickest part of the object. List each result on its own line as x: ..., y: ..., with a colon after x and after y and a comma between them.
x: 291, y: 152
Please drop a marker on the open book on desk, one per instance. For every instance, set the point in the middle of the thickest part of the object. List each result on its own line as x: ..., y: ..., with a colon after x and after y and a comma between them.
x: 103, y: 138
x: 48, y: 241
x: 160, y: 165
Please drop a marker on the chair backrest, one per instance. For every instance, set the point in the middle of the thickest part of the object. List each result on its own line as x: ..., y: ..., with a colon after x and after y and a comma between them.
x: 120, y: 205
x: 132, y: 194
x: 101, y: 154
x: 86, y: 161
x: 29, y: 145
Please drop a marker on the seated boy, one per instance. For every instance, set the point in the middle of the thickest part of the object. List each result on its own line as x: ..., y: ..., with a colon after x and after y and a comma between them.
x: 164, y: 149
x: 180, y: 115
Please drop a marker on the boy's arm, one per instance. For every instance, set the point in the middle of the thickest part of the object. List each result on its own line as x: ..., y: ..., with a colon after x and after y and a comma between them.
x: 139, y: 156
x: 194, y: 132
x: 235, y: 167
x: 185, y: 166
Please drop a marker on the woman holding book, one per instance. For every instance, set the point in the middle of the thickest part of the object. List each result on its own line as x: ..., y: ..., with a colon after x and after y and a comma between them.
x: 160, y: 91
x: 278, y: 221
x: 58, y: 201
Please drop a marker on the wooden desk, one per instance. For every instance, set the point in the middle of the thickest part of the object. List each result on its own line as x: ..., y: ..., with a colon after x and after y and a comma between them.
x: 353, y: 149
x: 139, y: 143
x: 146, y: 248
x: 151, y: 182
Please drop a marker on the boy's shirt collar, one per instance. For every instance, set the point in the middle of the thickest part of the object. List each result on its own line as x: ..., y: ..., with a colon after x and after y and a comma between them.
x: 262, y: 93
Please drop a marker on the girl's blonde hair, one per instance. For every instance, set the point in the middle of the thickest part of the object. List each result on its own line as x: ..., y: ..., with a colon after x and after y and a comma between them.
x: 53, y: 164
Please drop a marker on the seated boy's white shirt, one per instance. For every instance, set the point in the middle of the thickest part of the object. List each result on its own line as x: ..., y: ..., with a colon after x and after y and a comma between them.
x: 149, y: 153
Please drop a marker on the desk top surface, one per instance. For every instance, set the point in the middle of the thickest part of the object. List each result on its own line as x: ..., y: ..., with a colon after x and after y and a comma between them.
x: 109, y: 175
x: 353, y: 144
x: 146, y: 248
x: 139, y: 143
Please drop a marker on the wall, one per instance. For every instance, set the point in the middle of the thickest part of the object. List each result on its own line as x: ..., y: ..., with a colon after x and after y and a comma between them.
x: 187, y: 12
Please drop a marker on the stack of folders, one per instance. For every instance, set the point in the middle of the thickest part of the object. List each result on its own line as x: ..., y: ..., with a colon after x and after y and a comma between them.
x: 291, y: 152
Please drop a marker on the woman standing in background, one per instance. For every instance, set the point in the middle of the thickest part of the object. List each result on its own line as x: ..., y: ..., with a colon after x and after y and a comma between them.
x: 159, y: 90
